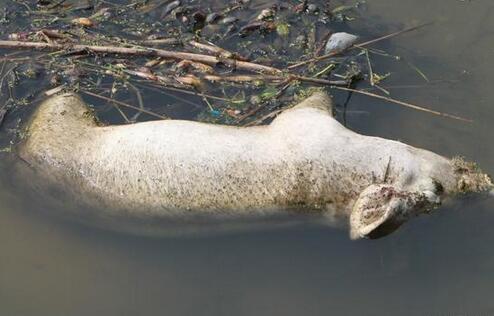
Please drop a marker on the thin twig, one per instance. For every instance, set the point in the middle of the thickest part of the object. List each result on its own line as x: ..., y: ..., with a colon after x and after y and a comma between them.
x: 242, y: 78
x: 207, y: 102
x: 369, y: 65
x: 382, y: 89
x: 407, y: 30
x: 3, y: 78
x: 417, y: 70
x: 3, y: 112
x: 325, y: 70
x: 162, y: 41
x: 139, y: 100
x: 190, y: 92
x: 217, y: 51
x: 115, y: 105
x: 360, y: 45
x: 53, y: 91
x: 251, y: 78
x: 405, y: 104
x: 124, y: 104
x: 172, y: 95
x: 320, y: 81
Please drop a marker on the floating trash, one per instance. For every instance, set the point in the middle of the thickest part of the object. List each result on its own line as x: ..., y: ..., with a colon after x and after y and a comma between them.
x: 339, y: 42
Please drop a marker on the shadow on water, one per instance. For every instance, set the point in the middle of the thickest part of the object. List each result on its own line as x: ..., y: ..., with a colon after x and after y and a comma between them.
x: 441, y: 264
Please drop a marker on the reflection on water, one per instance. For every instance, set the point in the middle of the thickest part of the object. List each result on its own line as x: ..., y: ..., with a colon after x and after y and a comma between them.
x: 442, y: 264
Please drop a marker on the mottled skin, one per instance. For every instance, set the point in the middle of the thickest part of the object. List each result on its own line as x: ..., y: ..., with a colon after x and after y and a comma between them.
x: 181, y: 173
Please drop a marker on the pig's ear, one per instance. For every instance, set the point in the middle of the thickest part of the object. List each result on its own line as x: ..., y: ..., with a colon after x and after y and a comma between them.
x: 381, y: 209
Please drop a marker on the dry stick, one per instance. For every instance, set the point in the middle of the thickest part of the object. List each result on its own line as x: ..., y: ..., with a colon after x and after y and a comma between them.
x: 250, y: 78
x: 405, y: 104
x: 53, y: 91
x: 210, y: 48
x: 216, y: 50
x: 161, y: 41
x: 407, y: 30
x: 360, y: 45
x: 407, y: 86
x: 150, y: 52
x: 170, y: 94
x: 319, y: 81
x: 124, y: 104
x: 194, y: 93
x: 416, y: 107
x: 242, y: 78
x: 15, y: 59
x: 369, y: 65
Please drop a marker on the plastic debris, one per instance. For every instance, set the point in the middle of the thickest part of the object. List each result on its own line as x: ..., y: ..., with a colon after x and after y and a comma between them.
x: 339, y: 42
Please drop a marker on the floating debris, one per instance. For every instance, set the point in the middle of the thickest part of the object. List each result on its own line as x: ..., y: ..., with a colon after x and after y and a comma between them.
x: 238, y: 63
x: 283, y: 29
x: 83, y: 22
x: 339, y: 42
x: 21, y: 36
x: 312, y: 8
x: 170, y: 7
x: 213, y: 17
x: 266, y: 14
x: 228, y: 20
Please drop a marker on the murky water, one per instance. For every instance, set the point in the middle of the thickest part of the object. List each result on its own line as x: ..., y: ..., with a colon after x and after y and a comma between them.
x: 441, y: 264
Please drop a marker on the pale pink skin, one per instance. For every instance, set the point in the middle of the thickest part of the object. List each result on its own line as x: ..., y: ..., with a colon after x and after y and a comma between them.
x: 189, y: 174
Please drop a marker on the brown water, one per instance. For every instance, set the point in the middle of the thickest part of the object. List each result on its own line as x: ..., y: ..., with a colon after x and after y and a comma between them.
x: 441, y: 264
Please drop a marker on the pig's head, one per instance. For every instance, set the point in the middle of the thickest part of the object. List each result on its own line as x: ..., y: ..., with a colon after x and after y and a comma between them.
x: 382, y: 207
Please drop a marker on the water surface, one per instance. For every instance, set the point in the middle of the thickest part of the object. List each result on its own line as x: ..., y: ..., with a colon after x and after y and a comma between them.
x: 441, y: 264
